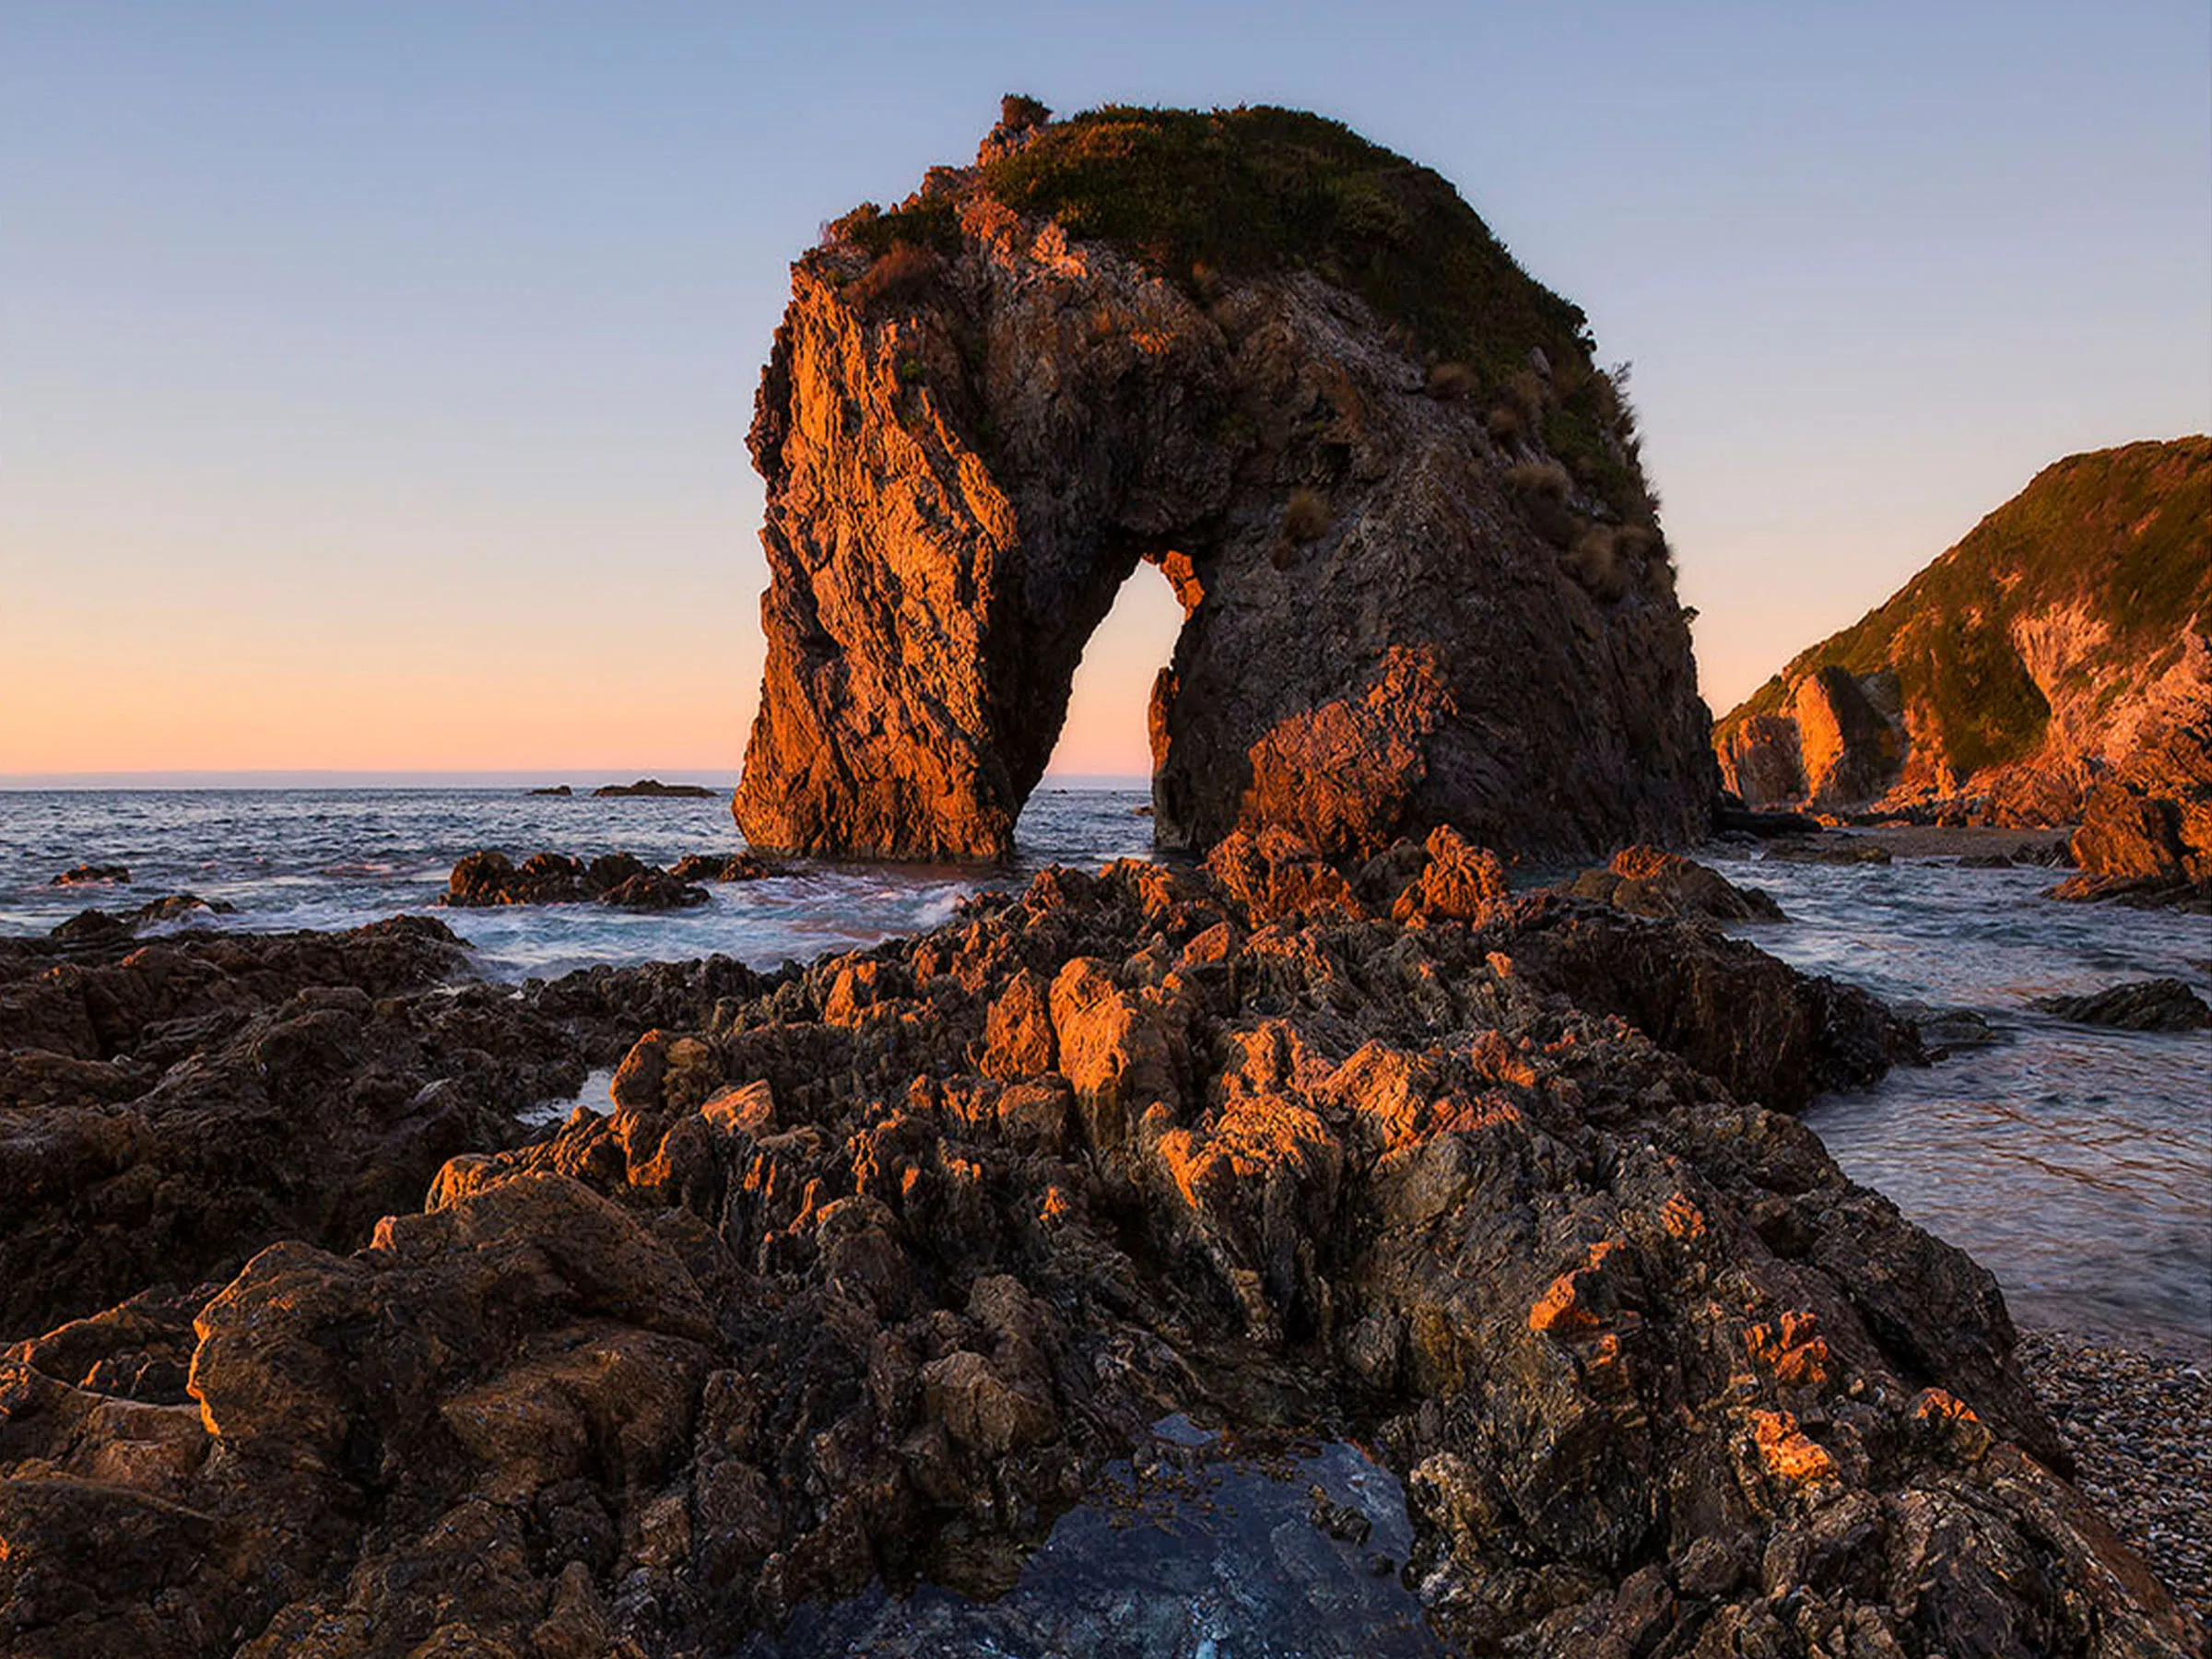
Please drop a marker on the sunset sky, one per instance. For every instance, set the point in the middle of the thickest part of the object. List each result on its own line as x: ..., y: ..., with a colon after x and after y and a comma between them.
x: 374, y: 376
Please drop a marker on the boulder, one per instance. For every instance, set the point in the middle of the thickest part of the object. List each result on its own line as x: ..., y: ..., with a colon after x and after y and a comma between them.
x: 2158, y: 1005
x: 2149, y: 820
x: 1647, y: 882
x: 491, y: 878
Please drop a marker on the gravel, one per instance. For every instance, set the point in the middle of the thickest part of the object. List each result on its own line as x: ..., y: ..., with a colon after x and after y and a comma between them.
x: 2139, y: 1425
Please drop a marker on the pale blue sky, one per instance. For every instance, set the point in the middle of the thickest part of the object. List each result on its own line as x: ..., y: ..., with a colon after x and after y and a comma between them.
x: 373, y: 377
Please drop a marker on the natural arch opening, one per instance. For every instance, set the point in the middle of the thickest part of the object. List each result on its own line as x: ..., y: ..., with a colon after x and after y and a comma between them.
x: 1106, y: 738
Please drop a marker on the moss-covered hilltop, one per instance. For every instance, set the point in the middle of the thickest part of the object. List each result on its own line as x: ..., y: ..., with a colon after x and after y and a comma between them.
x: 1204, y: 196
x: 2017, y: 666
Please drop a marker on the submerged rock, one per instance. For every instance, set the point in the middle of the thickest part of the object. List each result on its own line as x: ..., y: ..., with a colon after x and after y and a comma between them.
x: 735, y: 866
x: 86, y: 875
x: 884, y: 1265
x: 95, y: 926
x: 1296, y: 374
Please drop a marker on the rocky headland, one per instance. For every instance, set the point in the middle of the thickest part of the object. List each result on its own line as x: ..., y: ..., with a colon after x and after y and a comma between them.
x: 1296, y: 375
x: 2018, y: 672
x: 875, y: 1265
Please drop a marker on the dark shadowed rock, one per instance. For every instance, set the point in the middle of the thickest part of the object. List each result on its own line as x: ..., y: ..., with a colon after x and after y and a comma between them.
x: 168, y: 1109
x: 1205, y: 343
x: 655, y: 788
x: 491, y: 879
x: 2158, y: 1005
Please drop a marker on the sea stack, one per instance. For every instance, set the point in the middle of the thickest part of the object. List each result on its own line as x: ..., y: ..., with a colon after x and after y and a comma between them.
x: 1422, y: 578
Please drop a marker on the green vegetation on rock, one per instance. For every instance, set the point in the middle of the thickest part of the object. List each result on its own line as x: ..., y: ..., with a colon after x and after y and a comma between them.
x: 1200, y: 196
x: 2123, y: 537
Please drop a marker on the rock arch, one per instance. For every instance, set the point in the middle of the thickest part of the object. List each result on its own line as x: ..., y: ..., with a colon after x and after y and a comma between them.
x: 1394, y: 617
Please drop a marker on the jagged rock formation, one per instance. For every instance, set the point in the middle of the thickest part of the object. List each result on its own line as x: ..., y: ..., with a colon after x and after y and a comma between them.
x: 2002, y: 681
x: 2145, y: 834
x: 869, y: 1275
x: 1421, y: 575
x: 167, y: 1110
x: 482, y: 881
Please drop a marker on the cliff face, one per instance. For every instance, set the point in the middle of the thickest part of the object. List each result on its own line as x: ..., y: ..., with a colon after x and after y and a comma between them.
x: 2063, y: 634
x: 1420, y: 573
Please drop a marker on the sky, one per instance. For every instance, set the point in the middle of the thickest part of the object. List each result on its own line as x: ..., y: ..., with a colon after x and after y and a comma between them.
x: 374, y: 374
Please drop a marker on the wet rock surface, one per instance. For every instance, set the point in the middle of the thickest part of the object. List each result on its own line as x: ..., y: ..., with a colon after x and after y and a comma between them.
x: 168, y: 1109
x: 488, y: 878
x: 2159, y: 1005
x: 977, y: 422
x: 1647, y: 882
x: 732, y: 867
x: 877, y: 1270
x: 92, y: 875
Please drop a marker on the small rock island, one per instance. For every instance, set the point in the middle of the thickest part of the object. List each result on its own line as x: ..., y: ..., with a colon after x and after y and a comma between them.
x: 1421, y: 574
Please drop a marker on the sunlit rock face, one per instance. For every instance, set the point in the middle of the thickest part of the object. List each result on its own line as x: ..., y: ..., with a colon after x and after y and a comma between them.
x: 1421, y: 576
x: 2009, y: 680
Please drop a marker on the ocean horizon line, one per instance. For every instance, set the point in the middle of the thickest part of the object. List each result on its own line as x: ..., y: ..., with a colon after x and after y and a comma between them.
x: 582, y: 782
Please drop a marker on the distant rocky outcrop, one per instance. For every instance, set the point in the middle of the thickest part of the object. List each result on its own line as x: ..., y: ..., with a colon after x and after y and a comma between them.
x: 651, y: 788
x: 2003, y: 681
x: 1421, y: 574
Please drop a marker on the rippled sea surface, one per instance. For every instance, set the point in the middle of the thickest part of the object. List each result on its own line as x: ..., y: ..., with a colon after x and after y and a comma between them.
x: 337, y: 858
x: 2075, y: 1163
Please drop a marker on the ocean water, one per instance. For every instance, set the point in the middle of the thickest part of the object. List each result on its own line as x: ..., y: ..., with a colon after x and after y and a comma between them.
x: 2075, y: 1163
x: 332, y: 858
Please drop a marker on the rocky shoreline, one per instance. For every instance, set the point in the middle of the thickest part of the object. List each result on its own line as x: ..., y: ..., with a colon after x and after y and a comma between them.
x: 2139, y: 1425
x: 878, y: 1266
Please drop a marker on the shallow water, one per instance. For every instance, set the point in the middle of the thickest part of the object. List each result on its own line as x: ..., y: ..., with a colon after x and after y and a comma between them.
x: 2076, y: 1164
x: 1197, y: 1548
